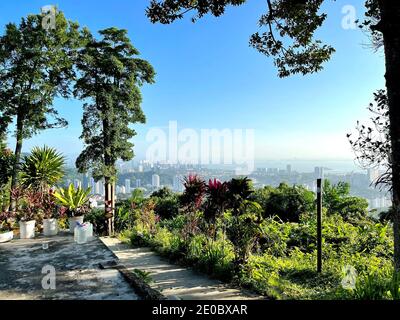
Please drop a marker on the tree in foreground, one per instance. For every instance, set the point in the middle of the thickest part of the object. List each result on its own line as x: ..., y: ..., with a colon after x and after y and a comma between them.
x: 372, y: 144
x: 111, y: 77
x: 288, y: 36
x: 36, y: 66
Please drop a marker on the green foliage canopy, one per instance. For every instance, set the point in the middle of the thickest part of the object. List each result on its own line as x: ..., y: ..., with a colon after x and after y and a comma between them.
x: 337, y: 200
x: 36, y: 65
x: 286, y: 202
x: 111, y: 76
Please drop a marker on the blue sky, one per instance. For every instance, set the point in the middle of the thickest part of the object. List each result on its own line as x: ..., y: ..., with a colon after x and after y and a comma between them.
x: 208, y: 77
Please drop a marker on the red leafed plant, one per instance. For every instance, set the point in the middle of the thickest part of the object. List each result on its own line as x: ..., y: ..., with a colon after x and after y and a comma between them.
x: 32, y: 204
x: 195, y: 189
x: 192, y: 200
x: 217, y: 198
x: 27, y: 202
x: 6, y: 221
x: 48, y: 205
x: 217, y: 194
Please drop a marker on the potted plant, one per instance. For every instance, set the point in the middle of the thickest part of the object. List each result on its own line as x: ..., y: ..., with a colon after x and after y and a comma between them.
x: 51, y: 213
x: 40, y: 170
x: 6, y: 233
x: 75, y: 202
x: 27, y: 210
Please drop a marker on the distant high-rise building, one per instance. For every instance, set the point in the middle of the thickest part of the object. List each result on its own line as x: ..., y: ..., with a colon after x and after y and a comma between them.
x: 97, y: 188
x: 138, y: 183
x: 140, y: 168
x: 177, y: 184
x: 77, y: 183
x: 92, y: 186
x: 155, y: 181
x: 127, y: 186
x: 272, y: 171
x: 289, y: 169
x: 85, y: 181
x: 102, y: 188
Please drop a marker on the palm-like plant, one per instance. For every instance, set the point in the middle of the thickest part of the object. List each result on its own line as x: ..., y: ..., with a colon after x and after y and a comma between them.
x: 216, y: 192
x: 244, y: 226
x: 195, y: 188
x: 74, y: 200
x: 217, y: 198
x: 239, y: 191
x: 42, y: 169
x: 191, y: 200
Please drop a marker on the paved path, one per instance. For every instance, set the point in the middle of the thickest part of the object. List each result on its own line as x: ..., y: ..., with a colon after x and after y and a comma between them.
x: 173, y: 281
x: 78, y: 276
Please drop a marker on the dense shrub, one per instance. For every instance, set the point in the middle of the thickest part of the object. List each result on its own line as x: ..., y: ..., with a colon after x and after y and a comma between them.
x: 214, y: 208
x: 378, y: 285
x: 337, y: 200
x: 99, y: 221
x: 124, y: 217
x: 167, y: 207
x: 286, y: 202
x: 211, y: 256
x: 126, y: 211
x: 175, y: 224
x: 275, y: 237
x: 169, y: 244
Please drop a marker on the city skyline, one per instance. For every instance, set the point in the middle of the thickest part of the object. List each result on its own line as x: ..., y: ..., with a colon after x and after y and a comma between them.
x: 157, y: 176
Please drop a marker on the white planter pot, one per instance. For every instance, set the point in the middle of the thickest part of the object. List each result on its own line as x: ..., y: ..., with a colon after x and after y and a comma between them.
x: 6, y: 236
x: 50, y: 227
x: 27, y: 229
x: 72, y: 222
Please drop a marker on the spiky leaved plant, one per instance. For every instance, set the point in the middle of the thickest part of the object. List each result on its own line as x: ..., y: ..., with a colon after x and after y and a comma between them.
x: 75, y: 200
x: 195, y: 189
x: 244, y: 226
x: 191, y: 200
x: 42, y: 169
x: 217, y: 200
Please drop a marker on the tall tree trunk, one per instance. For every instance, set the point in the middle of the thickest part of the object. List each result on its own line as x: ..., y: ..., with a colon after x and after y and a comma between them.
x: 111, y: 222
x: 18, y: 150
x: 109, y: 204
x: 108, y: 181
x: 390, y: 28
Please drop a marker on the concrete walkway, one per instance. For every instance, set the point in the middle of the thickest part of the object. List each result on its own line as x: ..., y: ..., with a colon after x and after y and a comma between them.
x: 174, y: 282
x: 24, y: 264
